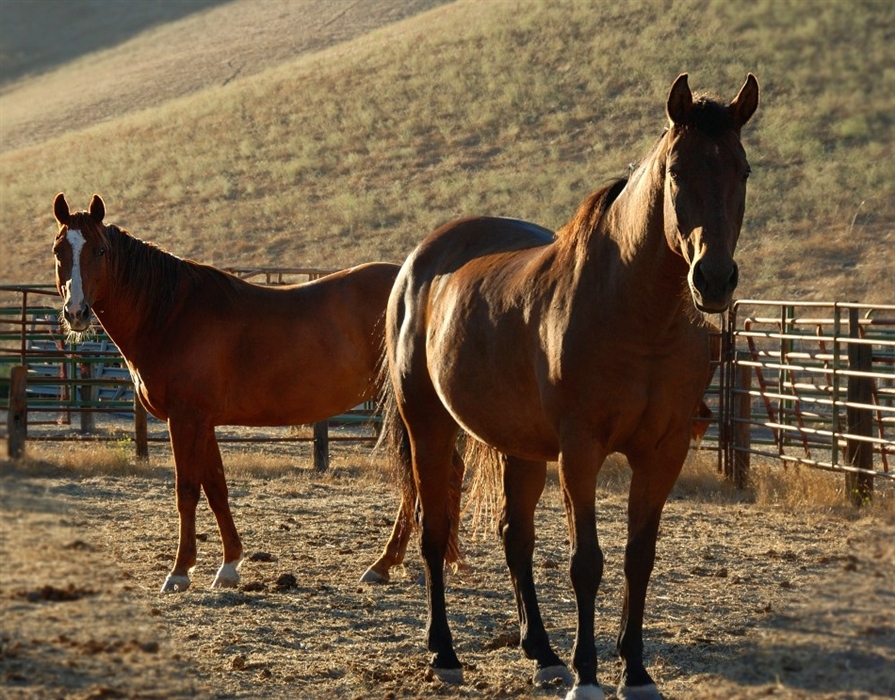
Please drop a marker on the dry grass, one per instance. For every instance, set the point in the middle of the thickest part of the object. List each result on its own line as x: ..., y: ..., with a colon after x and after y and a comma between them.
x: 791, y: 487
x: 334, y: 156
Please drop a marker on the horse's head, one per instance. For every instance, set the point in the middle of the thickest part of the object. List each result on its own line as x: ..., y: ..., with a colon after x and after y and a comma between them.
x: 80, y: 251
x: 705, y: 187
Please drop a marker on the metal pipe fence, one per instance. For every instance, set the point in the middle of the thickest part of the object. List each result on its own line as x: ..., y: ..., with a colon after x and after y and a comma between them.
x: 809, y: 383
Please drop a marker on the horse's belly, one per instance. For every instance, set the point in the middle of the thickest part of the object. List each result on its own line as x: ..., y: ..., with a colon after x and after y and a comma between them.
x: 510, y: 421
x: 522, y: 443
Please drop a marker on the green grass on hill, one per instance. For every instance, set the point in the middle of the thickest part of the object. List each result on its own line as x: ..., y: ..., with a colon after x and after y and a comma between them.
x: 509, y: 108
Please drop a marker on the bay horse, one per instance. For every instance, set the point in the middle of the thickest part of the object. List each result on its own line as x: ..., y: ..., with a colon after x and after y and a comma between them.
x: 568, y: 348
x: 205, y: 348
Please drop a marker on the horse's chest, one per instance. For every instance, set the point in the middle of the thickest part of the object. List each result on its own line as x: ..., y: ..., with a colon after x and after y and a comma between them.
x: 152, y: 399
x: 628, y: 393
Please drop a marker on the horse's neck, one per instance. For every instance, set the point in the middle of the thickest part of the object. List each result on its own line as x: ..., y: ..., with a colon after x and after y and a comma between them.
x: 124, y: 328
x: 648, y: 274
x: 128, y: 313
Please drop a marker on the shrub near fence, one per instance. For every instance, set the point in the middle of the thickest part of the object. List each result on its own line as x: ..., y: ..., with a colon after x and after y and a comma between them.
x: 811, y: 383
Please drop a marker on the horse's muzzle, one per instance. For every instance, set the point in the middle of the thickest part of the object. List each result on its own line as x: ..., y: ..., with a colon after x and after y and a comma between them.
x: 712, y: 289
x: 77, y: 320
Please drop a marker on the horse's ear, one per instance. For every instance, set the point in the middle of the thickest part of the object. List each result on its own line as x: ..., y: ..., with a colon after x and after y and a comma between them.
x: 97, y: 208
x: 746, y: 102
x: 680, y: 101
x: 60, y: 210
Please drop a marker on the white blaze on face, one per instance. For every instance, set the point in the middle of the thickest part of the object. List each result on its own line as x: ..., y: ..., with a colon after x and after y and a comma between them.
x: 74, y: 288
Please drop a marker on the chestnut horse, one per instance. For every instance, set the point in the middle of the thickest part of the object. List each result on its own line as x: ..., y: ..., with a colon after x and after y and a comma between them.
x: 572, y: 347
x: 205, y: 348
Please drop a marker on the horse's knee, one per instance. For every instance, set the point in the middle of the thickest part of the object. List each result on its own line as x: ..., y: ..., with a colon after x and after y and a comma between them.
x: 586, y: 567
x: 187, y: 496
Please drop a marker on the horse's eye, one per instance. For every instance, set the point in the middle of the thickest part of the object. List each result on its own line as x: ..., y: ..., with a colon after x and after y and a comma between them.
x: 100, y: 252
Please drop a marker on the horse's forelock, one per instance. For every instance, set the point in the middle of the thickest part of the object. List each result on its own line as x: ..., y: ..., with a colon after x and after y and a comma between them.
x: 710, y: 116
x: 89, y: 227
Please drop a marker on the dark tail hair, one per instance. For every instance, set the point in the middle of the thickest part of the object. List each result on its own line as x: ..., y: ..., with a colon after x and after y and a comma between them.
x: 394, y: 443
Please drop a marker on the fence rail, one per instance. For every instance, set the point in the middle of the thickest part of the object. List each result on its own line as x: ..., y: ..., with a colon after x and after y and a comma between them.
x: 811, y: 383
x: 806, y: 383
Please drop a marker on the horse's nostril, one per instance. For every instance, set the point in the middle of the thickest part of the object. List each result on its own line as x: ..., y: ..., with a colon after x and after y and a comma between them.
x: 734, y: 277
x: 698, y: 276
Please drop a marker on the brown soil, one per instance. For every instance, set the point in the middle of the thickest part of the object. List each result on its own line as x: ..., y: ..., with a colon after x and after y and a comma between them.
x: 747, y: 601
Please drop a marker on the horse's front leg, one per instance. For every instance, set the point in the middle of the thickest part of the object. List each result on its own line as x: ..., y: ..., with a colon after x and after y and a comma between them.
x: 651, y: 482
x: 523, y: 484
x: 196, y: 454
x: 187, y: 486
x: 215, y: 486
x: 578, y: 467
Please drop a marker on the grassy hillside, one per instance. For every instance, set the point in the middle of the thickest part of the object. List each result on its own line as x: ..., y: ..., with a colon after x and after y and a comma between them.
x: 520, y: 108
x: 35, y: 38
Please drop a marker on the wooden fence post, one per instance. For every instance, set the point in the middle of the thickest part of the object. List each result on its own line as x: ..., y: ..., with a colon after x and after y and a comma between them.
x: 141, y: 437
x: 17, y: 416
x: 859, y: 453
x: 742, y: 425
x: 321, y: 445
x: 87, y: 394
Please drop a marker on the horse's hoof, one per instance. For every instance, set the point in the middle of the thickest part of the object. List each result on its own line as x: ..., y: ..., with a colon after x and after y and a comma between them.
x: 175, y: 584
x: 638, y: 692
x: 586, y: 692
x: 371, y: 576
x: 552, y: 675
x: 220, y: 582
x: 448, y: 676
x: 227, y: 576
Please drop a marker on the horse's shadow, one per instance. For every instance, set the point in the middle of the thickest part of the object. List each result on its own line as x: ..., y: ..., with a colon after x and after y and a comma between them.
x: 789, y: 650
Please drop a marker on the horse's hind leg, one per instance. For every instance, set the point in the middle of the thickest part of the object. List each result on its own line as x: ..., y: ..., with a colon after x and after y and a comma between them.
x: 651, y: 482
x: 433, y: 435
x: 523, y: 484
x: 393, y: 553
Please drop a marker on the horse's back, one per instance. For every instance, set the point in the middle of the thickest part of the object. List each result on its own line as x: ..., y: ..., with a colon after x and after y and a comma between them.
x: 463, y: 240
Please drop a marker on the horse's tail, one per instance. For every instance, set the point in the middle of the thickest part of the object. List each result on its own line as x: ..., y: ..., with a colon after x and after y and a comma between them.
x: 394, y: 443
x: 485, y: 488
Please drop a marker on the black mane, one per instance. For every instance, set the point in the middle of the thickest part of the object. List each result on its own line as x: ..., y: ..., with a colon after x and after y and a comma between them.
x: 151, y: 278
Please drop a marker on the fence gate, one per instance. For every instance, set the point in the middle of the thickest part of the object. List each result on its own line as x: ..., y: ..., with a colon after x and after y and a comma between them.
x: 810, y: 383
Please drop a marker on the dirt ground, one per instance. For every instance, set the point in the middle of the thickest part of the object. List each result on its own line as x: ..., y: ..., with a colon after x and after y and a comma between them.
x: 746, y: 601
